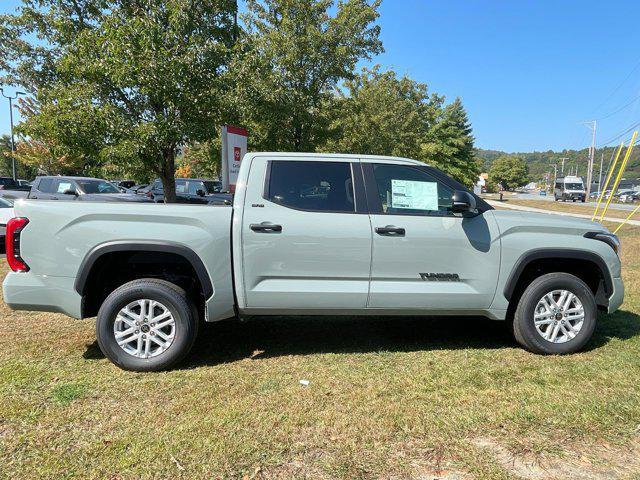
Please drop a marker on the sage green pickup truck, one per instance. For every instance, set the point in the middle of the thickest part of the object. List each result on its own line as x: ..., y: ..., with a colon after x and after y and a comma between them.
x: 310, y: 234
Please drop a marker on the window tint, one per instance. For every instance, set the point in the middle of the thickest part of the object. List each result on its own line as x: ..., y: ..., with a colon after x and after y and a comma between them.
x: 410, y: 190
x: 316, y: 186
x: 46, y: 185
x: 97, y: 186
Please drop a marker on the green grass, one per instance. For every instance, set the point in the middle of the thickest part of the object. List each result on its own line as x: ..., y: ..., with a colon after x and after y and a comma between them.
x: 388, y: 398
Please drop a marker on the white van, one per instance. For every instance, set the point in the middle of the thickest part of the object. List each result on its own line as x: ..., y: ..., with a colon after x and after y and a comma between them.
x: 569, y: 188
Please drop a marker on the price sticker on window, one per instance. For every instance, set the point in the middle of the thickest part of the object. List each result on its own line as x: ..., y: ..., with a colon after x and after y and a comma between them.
x: 410, y: 195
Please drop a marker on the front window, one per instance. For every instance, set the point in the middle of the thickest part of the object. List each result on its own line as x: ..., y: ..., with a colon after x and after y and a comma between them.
x: 573, y: 186
x: 314, y: 186
x: 411, y: 190
x: 97, y: 186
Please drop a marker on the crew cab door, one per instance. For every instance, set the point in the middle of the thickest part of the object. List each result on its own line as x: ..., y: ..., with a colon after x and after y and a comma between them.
x: 306, y: 235
x: 424, y: 255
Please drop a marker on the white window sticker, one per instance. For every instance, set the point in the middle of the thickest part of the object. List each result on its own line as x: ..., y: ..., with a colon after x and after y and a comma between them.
x: 414, y: 195
x: 63, y: 187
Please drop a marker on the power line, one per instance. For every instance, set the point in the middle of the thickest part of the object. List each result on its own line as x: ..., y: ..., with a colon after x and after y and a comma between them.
x: 621, y: 108
x: 615, y: 90
x: 619, y: 136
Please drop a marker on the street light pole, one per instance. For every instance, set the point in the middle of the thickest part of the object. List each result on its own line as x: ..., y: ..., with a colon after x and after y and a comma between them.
x: 13, y: 145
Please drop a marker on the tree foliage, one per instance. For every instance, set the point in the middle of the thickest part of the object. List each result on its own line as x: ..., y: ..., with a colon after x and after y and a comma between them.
x: 292, y: 56
x: 122, y: 82
x: 510, y: 171
x: 380, y: 113
x: 449, y: 144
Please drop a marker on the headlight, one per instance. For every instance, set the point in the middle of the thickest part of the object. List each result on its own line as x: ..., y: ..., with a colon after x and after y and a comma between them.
x: 609, y: 238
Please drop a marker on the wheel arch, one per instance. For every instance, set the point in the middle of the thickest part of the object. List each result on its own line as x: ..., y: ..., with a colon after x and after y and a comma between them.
x: 93, y: 261
x: 575, y: 258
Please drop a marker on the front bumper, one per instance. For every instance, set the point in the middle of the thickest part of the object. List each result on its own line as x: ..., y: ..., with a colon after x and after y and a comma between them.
x: 27, y: 291
x: 617, y: 297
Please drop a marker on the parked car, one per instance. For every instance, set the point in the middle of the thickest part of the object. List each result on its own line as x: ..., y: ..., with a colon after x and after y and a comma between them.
x: 11, y: 189
x: 24, y: 183
x: 314, y: 234
x: 629, y: 197
x: 543, y: 192
x: 138, y: 188
x: 79, y: 188
x: 191, y: 190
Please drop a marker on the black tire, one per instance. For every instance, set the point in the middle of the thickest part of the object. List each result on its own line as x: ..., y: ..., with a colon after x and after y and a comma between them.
x: 173, y: 298
x: 583, y: 200
x: 524, y: 329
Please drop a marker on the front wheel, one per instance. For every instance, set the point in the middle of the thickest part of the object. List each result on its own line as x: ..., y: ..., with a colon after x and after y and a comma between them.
x: 146, y: 325
x: 555, y: 315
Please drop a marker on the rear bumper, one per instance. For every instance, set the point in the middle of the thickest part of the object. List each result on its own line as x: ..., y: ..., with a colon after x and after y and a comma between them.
x: 27, y: 291
x: 617, y: 297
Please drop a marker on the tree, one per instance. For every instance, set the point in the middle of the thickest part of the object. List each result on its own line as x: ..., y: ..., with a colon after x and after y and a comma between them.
x: 292, y: 56
x: 201, y: 160
x: 381, y: 114
x: 119, y: 82
x: 449, y: 144
x: 510, y: 171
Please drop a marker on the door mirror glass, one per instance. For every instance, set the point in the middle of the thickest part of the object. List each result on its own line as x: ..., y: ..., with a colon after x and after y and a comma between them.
x: 462, y: 201
x: 200, y: 192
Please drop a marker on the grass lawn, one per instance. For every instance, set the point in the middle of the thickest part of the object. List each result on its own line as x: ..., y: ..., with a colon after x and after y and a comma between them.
x: 570, y: 207
x: 388, y: 398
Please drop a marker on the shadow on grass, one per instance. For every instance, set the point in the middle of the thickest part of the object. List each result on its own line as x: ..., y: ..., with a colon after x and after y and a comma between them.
x: 264, y: 337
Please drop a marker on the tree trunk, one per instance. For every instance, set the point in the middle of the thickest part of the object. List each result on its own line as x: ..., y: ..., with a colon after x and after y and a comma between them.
x: 168, y: 175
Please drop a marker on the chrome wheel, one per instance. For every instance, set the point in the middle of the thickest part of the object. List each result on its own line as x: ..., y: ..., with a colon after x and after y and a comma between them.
x: 144, y: 328
x: 558, y: 316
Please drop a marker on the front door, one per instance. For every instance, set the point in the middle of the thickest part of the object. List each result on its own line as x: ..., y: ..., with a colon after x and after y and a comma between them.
x: 306, y: 239
x: 424, y: 255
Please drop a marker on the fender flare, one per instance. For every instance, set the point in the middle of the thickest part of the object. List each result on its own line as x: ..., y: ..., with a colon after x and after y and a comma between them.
x: 550, y: 253
x: 98, y: 251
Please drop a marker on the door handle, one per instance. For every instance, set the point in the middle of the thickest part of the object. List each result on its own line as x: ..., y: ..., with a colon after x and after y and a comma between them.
x: 391, y: 230
x: 265, y: 227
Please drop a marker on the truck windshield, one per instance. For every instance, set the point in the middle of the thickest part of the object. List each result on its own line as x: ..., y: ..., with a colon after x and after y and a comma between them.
x: 97, y: 186
x: 574, y: 186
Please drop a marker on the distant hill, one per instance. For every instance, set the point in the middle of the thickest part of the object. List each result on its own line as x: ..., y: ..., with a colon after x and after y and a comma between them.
x: 542, y: 162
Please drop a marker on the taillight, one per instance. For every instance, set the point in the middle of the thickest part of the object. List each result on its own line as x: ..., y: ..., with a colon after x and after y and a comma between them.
x: 12, y: 243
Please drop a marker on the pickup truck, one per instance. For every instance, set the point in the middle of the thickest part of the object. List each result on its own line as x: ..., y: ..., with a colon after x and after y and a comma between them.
x: 310, y: 234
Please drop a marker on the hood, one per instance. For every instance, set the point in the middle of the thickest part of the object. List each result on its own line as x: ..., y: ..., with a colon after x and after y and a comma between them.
x: 544, y: 222
x: 113, y: 197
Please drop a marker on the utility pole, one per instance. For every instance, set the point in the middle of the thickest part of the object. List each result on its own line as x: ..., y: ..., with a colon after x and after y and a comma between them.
x: 13, y: 145
x: 592, y: 152
x: 562, y: 168
x: 600, y: 176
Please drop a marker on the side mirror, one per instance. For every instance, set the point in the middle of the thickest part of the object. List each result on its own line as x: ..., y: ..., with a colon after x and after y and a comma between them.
x: 70, y: 191
x: 200, y: 192
x: 463, y: 201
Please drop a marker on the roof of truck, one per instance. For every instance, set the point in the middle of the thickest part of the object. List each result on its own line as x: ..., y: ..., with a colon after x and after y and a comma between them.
x: 335, y: 155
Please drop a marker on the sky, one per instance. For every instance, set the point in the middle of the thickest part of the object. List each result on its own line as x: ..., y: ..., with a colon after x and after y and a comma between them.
x: 528, y: 72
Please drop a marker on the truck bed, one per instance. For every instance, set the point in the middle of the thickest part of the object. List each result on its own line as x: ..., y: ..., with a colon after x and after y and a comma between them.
x: 61, y: 235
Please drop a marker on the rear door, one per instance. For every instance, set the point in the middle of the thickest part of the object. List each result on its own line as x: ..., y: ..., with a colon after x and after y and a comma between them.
x: 306, y: 235
x: 425, y: 256
x: 42, y: 189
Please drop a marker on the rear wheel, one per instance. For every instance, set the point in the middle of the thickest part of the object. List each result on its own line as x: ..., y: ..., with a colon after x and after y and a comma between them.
x: 555, y: 315
x: 146, y: 325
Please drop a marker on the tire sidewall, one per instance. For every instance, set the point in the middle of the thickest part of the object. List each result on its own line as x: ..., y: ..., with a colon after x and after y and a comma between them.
x: 171, y: 299
x: 533, y: 295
